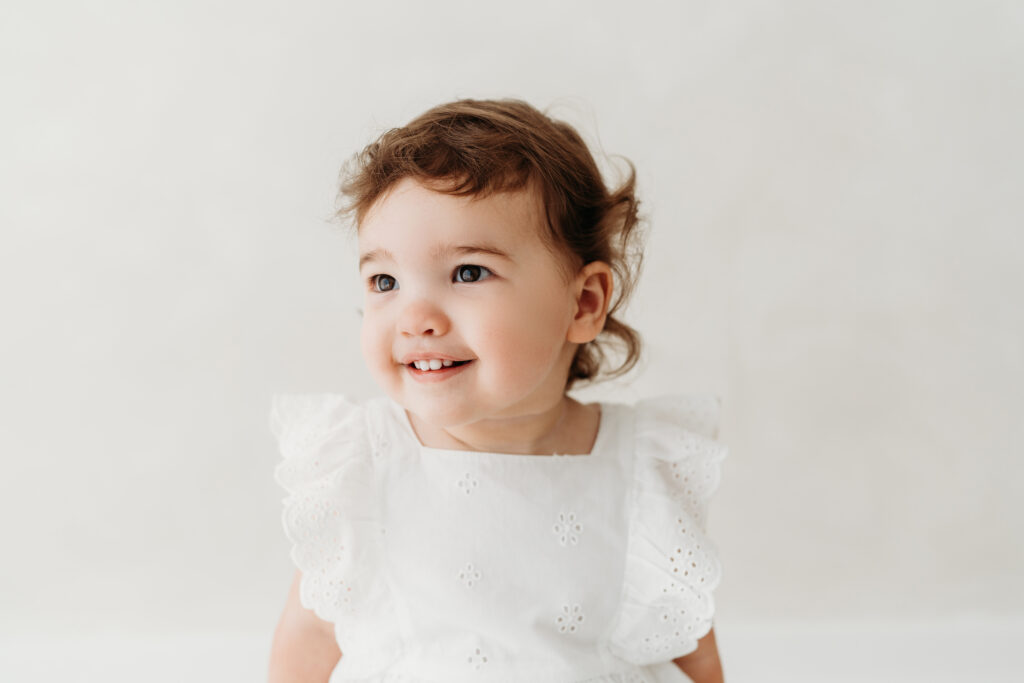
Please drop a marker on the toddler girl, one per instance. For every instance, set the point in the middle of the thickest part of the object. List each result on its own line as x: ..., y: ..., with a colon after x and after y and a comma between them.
x: 479, y: 524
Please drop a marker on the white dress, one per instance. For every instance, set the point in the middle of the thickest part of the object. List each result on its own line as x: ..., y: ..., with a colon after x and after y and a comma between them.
x: 443, y: 566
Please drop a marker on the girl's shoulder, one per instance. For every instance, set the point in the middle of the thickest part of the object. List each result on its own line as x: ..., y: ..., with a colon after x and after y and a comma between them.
x: 326, y: 411
x: 302, y: 421
x: 672, y: 565
x: 676, y: 449
x: 331, y: 513
x: 294, y: 413
x: 305, y: 425
x: 675, y: 413
x: 319, y: 434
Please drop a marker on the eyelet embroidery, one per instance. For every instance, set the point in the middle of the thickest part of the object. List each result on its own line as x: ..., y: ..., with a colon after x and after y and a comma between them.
x: 338, y: 593
x: 653, y: 643
x: 477, y: 659
x: 469, y: 575
x: 331, y: 591
x: 682, y: 565
x: 467, y: 483
x: 674, y: 617
x: 694, y: 475
x: 570, y: 619
x: 684, y: 473
x: 684, y: 529
x: 568, y: 529
x: 685, y: 565
x: 381, y: 444
x: 680, y: 631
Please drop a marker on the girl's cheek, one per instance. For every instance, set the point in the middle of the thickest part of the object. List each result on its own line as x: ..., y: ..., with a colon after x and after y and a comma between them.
x: 369, y: 342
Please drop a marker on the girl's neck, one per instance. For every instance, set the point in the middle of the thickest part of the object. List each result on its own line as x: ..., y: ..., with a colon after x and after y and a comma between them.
x: 569, y: 427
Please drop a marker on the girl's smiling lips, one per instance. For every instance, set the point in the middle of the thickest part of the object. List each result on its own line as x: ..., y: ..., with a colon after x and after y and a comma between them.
x: 443, y: 366
x: 448, y: 369
x: 410, y: 358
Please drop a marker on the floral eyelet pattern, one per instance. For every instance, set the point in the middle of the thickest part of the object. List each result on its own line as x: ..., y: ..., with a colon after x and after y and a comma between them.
x: 338, y: 593
x: 467, y: 483
x: 469, y: 575
x: 335, y: 519
x: 694, y: 477
x: 568, y: 529
x: 570, y: 619
x: 679, y: 628
x: 477, y: 659
x: 670, y: 577
x: 381, y: 444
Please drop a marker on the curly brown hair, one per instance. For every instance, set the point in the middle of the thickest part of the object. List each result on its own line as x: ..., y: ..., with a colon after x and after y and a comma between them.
x: 480, y: 147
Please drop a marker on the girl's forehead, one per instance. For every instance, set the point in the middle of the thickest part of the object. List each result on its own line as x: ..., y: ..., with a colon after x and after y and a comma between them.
x: 412, y: 212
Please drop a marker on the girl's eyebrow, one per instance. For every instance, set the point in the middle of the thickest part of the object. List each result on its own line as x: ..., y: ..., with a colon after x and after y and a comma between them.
x: 439, y: 252
x: 467, y: 249
x: 375, y: 255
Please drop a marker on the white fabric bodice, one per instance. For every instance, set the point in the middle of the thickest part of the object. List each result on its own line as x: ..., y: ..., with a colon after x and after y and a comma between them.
x: 450, y: 566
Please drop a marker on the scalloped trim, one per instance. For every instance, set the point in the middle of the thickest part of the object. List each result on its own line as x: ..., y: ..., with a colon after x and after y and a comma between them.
x: 332, y: 518
x: 672, y: 567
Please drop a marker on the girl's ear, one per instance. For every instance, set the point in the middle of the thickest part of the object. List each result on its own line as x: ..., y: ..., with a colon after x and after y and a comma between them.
x: 593, y: 287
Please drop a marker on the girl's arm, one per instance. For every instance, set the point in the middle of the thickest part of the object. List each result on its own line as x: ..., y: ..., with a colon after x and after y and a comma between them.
x: 703, y: 665
x: 304, y: 648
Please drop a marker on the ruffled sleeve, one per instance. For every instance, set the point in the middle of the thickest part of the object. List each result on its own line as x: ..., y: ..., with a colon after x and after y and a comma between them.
x: 332, y: 518
x: 671, y: 565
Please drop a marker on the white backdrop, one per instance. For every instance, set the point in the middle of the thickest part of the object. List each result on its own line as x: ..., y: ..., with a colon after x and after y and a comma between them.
x: 834, y: 195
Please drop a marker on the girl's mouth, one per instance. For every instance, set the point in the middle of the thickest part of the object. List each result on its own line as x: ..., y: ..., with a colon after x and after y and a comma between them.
x: 435, y: 369
x: 435, y: 364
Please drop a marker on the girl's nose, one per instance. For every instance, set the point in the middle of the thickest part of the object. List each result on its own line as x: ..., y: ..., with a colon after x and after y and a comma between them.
x: 423, y: 317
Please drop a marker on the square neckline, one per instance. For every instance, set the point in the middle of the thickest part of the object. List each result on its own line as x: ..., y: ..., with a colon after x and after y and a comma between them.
x: 604, y: 428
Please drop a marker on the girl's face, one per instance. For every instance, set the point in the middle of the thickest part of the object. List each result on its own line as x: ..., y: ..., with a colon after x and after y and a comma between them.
x: 467, y: 310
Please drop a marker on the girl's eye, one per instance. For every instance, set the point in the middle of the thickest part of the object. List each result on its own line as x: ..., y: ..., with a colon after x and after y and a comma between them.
x: 471, y: 273
x: 383, y: 283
